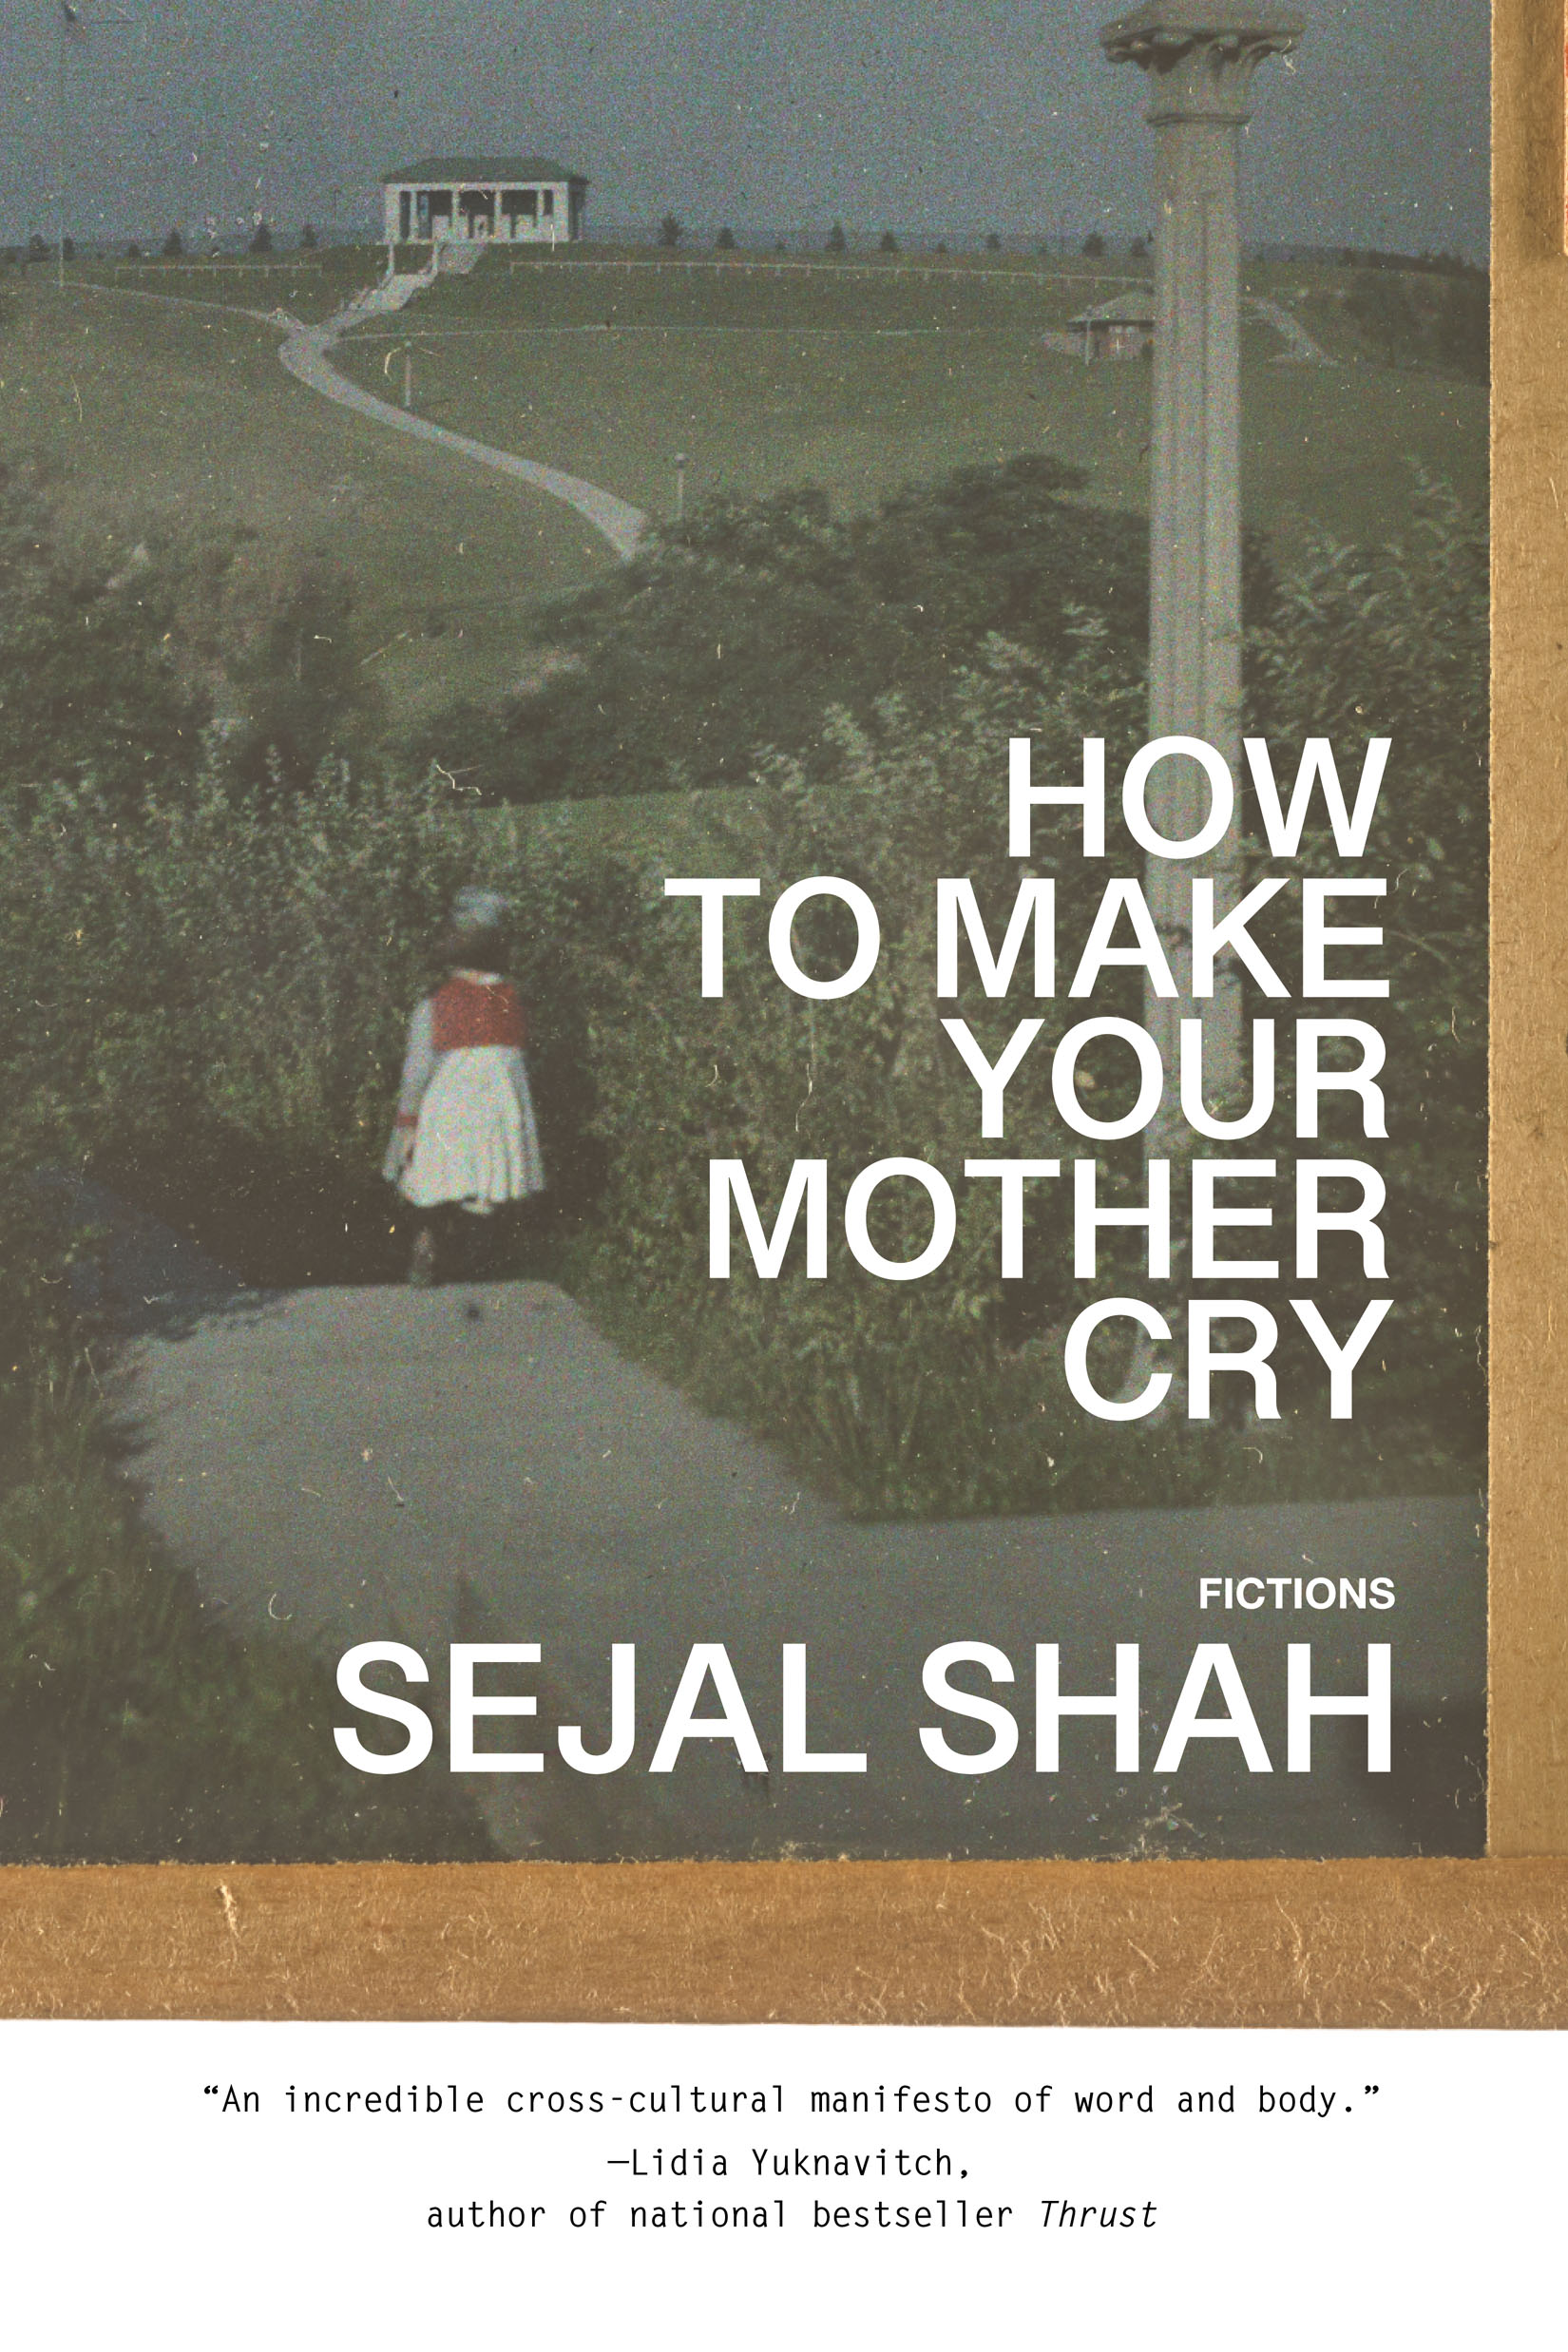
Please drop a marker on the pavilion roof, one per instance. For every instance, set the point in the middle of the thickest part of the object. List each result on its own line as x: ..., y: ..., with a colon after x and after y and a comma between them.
x: 496, y: 169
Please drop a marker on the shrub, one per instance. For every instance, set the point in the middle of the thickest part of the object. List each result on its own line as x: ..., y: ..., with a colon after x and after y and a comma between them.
x: 670, y: 232
x: 1380, y: 305
x: 212, y: 995
x: 769, y: 610
x: 1394, y: 641
x: 947, y: 1396
x: 914, y: 1400
x: 174, y: 246
x: 209, y: 1002
x: 295, y: 658
x: 90, y: 689
x: 724, y: 242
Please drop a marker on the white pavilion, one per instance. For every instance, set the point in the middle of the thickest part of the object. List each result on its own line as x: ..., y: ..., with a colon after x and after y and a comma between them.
x: 516, y: 200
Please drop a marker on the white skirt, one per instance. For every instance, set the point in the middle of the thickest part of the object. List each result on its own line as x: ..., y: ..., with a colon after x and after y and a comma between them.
x: 476, y: 1141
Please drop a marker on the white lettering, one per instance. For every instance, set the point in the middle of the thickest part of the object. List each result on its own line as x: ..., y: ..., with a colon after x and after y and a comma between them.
x: 1023, y: 796
x: 781, y: 944
x: 941, y: 1693
x: 1075, y: 1360
x: 1317, y: 762
x: 1035, y: 903
x: 944, y: 1220
x: 713, y: 894
x: 1317, y: 936
x: 728, y: 1180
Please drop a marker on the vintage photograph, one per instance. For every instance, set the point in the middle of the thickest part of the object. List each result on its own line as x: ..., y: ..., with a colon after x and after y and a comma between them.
x: 743, y: 830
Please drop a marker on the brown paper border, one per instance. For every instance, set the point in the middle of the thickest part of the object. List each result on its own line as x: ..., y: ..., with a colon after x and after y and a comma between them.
x: 1392, y: 1943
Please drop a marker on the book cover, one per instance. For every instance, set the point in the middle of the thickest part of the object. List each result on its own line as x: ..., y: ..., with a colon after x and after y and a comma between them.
x: 745, y: 830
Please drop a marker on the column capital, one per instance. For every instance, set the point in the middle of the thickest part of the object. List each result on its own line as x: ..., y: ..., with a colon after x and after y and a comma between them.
x: 1200, y: 55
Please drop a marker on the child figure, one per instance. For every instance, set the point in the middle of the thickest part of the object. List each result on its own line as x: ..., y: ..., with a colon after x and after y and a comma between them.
x: 465, y: 1136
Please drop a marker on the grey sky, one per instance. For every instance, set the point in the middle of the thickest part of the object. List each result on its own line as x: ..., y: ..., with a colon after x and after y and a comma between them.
x: 767, y: 114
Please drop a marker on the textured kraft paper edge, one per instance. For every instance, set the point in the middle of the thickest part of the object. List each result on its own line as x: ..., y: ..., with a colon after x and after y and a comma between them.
x: 1267, y: 1943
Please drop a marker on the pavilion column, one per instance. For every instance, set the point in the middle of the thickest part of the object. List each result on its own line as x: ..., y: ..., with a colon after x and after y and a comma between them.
x: 1201, y: 60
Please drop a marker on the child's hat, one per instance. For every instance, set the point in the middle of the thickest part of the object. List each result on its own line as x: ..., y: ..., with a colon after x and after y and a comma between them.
x: 474, y: 909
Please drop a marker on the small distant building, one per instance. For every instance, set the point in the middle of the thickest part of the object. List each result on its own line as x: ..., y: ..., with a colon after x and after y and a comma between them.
x: 1120, y: 328
x: 518, y: 200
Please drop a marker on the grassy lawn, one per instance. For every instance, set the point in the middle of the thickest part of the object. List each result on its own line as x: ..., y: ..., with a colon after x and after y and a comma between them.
x: 667, y: 832
x: 864, y: 377
x: 159, y: 419
x: 159, y: 416
x: 311, y: 285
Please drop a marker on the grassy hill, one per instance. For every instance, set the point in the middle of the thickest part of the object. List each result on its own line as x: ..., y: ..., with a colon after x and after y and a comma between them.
x: 171, y: 418
x: 866, y: 375
x: 159, y: 420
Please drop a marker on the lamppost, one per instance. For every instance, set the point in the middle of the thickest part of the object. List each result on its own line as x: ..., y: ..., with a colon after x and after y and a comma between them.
x: 67, y: 23
x: 69, y: 20
x: 405, y: 352
x: 1199, y: 57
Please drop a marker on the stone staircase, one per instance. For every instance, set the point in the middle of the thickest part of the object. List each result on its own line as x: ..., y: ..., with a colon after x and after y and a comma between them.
x: 460, y: 257
x: 379, y: 302
x: 450, y: 258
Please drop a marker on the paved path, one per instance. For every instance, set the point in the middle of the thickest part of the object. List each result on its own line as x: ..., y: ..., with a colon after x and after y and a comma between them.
x: 1298, y: 343
x: 480, y: 1463
x: 304, y: 353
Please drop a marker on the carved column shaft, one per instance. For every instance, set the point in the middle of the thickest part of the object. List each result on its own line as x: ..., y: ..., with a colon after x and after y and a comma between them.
x: 1200, y: 63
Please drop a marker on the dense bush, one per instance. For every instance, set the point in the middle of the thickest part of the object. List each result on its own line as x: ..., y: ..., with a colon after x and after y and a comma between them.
x: 1412, y: 316
x: 132, y: 1720
x: 924, y: 1398
x: 740, y: 627
x: 88, y: 689
x: 293, y: 665
x: 116, y: 657
x: 1394, y: 640
x: 946, y: 1395
x: 209, y: 1004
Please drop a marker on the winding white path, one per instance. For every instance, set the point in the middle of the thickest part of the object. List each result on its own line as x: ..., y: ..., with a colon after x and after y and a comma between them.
x: 1298, y: 343
x: 304, y: 350
x: 304, y: 353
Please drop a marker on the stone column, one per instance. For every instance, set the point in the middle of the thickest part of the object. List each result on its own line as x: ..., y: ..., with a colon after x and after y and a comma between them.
x: 1200, y: 56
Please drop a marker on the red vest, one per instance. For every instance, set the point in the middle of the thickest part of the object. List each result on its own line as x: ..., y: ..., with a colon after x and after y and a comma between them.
x: 477, y: 1012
